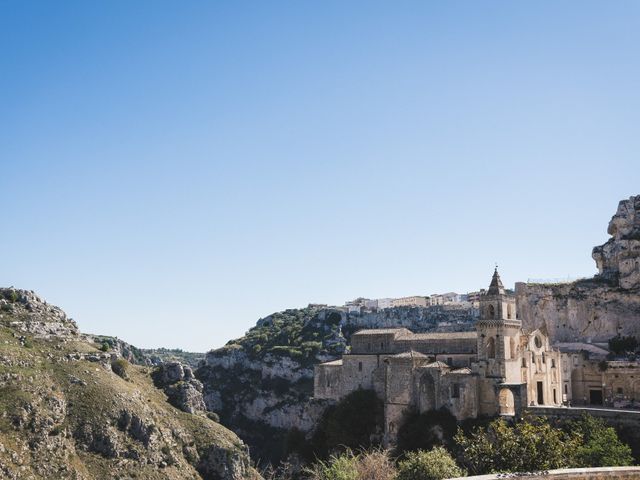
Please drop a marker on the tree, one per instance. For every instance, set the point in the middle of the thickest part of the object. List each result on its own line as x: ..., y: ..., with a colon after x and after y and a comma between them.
x: 354, y: 423
x: 435, y: 464
x: 423, y: 431
x: 527, y: 446
x: 600, y: 446
x: 620, y: 345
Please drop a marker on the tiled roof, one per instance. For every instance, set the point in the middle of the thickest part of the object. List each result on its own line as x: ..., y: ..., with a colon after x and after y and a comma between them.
x: 440, y: 336
x: 437, y: 364
x: 333, y: 362
x: 461, y: 371
x: 381, y: 331
x: 410, y: 354
x: 569, y: 347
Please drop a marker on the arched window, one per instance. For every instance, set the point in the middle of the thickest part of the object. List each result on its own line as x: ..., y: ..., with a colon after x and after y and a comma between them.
x: 491, y: 312
x: 491, y: 348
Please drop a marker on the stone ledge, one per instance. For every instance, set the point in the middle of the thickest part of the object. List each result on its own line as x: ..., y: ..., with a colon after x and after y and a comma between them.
x: 625, y: 473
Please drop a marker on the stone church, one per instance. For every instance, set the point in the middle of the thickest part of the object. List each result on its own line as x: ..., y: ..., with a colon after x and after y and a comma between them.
x: 498, y: 369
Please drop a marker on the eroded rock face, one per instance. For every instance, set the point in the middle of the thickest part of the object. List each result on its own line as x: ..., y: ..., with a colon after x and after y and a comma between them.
x: 619, y: 259
x: 599, y: 308
x: 180, y: 385
x: 31, y: 314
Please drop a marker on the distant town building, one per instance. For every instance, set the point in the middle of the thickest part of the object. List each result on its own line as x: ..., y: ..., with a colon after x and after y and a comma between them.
x: 414, y: 301
x: 385, y: 303
x: 445, y: 298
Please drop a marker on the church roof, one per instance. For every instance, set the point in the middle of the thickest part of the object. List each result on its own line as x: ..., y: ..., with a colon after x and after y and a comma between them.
x: 496, y: 287
x: 410, y: 354
x: 437, y: 364
x: 462, y: 371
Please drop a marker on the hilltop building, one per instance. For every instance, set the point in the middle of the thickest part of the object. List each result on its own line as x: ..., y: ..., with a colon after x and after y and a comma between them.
x: 497, y: 369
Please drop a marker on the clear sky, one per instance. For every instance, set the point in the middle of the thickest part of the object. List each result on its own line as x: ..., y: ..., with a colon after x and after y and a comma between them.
x: 172, y: 171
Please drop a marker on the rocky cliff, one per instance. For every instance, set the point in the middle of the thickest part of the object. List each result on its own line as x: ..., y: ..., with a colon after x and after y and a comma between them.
x: 599, y: 308
x: 261, y: 384
x: 74, y: 408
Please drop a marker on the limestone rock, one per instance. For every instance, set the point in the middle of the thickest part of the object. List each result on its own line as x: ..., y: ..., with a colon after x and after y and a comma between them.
x: 619, y: 258
x: 180, y: 385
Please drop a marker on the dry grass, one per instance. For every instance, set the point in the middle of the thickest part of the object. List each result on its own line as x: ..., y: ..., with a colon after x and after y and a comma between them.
x: 375, y: 465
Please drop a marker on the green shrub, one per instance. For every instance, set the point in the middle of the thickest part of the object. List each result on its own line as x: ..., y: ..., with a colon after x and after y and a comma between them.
x: 120, y: 367
x: 620, y: 345
x: 600, y: 446
x: 105, y: 346
x: 435, y: 464
x: 338, y: 467
x: 527, y: 446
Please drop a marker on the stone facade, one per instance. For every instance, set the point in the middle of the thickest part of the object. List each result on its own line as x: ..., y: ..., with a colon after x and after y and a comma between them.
x: 496, y: 369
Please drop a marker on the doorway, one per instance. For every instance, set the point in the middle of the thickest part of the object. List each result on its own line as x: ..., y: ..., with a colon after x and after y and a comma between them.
x: 595, y: 397
x: 540, y: 394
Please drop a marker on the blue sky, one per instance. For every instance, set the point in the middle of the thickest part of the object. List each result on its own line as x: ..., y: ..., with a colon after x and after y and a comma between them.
x: 172, y: 171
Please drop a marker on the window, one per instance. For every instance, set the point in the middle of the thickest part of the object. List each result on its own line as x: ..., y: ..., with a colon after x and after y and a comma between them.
x: 455, y: 390
x: 553, y: 363
x: 524, y: 362
x: 359, y: 366
x: 491, y: 311
x: 566, y: 389
x: 538, y: 341
x: 555, y: 399
x: 619, y: 390
x: 381, y: 345
x: 491, y: 348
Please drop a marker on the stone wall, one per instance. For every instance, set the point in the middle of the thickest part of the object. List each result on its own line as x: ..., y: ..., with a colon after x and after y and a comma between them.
x: 623, y: 473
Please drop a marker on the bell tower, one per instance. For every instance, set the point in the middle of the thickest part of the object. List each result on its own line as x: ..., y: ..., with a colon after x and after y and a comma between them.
x: 499, y: 332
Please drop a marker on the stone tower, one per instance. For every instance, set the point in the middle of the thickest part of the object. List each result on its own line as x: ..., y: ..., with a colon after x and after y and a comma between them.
x: 499, y: 332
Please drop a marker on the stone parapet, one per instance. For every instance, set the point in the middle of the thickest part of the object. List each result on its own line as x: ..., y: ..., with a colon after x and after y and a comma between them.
x: 624, y: 473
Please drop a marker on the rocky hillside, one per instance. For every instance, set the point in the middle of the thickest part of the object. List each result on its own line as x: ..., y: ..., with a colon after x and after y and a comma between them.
x: 599, y: 308
x: 74, y: 408
x: 261, y: 384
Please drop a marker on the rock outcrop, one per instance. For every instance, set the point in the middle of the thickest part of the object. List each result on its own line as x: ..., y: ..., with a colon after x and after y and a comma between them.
x: 182, y: 388
x: 74, y: 408
x: 599, y: 308
x: 618, y: 260
x: 31, y: 314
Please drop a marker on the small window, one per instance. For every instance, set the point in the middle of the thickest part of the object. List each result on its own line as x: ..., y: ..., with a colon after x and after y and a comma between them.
x: 553, y: 363
x: 619, y: 390
x: 359, y: 366
x: 524, y: 362
x: 455, y: 391
x: 555, y: 399
x: 538, y: 341
x: 566, y: 389
x: 381, y: 345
